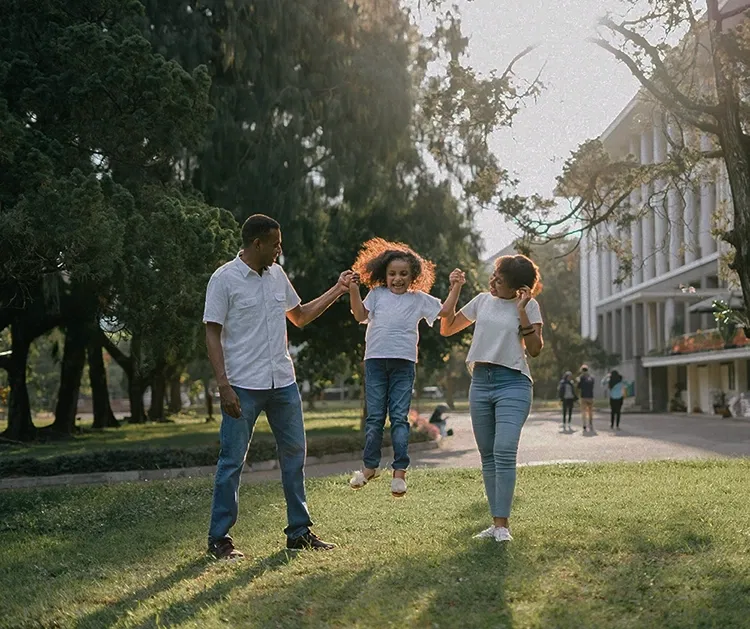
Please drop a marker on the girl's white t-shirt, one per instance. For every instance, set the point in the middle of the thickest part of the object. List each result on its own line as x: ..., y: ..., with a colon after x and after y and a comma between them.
x: 497, y: 338
x: 393, y: 322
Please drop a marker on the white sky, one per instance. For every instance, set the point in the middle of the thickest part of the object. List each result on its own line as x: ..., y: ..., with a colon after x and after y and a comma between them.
x: 586, y: 88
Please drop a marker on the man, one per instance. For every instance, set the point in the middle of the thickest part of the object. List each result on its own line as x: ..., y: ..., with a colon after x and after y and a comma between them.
x: 586, y: 389
x: 248, y: 301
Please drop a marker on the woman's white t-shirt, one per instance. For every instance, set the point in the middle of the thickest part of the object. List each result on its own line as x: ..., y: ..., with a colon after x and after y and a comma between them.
x: 393, y: 322
x: 497, y: 338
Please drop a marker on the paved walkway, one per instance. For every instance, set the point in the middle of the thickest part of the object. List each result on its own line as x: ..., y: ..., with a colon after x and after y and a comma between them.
x: 641, y: 438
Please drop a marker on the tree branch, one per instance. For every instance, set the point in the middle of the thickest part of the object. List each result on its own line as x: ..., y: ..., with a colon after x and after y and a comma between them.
x: 731, y: 13
x: 662, y: 97
x: 125, y: 362
x: 661, y: 70
x: 509, y: 70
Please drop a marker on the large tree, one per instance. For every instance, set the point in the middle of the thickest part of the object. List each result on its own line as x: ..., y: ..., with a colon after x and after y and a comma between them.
x: 90, y: 119
x: 343, y: 121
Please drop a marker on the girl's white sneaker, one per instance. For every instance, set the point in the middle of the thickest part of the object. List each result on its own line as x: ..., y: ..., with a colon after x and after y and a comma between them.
x: 502, y: 534
x: 398, y: 487
x: 359, y: 479
x: 489, y: 532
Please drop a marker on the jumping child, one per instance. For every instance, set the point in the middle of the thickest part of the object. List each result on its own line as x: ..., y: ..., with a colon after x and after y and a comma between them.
x: 399, y: 280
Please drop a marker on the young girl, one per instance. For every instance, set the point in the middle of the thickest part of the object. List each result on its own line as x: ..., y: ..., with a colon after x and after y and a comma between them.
x: 399, y: 280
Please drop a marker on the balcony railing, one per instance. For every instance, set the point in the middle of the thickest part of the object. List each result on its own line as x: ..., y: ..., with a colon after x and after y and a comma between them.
x: 703, y: 341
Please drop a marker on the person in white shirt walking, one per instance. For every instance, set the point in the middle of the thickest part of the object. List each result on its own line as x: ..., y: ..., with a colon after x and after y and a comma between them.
x: 248, y: 302
x: 508, y: 326
x: 399, y: 280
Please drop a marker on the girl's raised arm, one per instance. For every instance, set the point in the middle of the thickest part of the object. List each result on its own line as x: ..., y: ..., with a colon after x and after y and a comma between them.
x: 358, y: 308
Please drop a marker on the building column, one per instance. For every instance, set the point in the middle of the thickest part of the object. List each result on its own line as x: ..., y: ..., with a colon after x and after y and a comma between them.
x: 647, y: 221
x: 594, y: 273
x: 689, y: 388
x: 606, y: 261
x: 691, y: 226
x: 652, y: 326
x: 660, y: 217
x: 709, y: 191
x: 669, y: 317
x: 636, y: 232
x: 584, y: 283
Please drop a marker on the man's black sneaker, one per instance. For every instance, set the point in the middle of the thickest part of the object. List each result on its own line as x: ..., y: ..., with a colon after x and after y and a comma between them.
x: 308, y: 541
x: 224, y: 549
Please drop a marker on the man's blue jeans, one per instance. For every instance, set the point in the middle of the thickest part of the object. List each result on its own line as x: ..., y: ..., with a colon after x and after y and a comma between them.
x: 283, y: 409
x: 388, y: 386
x: 499, y: 401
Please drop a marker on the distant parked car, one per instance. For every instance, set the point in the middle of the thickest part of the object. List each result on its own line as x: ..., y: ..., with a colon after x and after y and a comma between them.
x: 432, y: 393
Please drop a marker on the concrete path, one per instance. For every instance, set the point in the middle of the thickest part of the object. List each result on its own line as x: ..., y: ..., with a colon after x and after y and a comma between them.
x: 641, y: 438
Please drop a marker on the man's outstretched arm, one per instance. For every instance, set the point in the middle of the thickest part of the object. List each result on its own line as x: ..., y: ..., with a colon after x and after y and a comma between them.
x: 303, y: 314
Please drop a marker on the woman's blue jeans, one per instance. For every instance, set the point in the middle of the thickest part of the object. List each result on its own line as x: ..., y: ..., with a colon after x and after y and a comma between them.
x: 500, y: 401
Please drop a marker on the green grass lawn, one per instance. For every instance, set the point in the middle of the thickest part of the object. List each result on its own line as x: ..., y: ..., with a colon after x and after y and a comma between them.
x: 622, y: 546
x: 187, y: 430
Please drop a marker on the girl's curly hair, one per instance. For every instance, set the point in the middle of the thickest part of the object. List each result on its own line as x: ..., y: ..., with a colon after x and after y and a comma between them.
x: 377, y: 253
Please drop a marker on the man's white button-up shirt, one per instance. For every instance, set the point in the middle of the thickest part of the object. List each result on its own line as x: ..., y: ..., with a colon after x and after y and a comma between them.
x: 252, y: 309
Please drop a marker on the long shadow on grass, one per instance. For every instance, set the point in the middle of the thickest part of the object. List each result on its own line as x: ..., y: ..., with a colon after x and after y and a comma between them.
x: 183, y: 611
x: 111, y: 529
x: 111, y: 614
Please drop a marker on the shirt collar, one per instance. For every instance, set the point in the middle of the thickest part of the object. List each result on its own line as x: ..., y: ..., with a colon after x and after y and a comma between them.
x: 244, y: 268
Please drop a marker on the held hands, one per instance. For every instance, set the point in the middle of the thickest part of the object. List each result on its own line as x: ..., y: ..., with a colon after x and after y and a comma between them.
x: 523, y: 296
x: 345, y: 280
x: 457, y: 277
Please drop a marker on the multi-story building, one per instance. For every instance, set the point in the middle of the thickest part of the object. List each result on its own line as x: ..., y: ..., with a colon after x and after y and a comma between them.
x: 659, y: 319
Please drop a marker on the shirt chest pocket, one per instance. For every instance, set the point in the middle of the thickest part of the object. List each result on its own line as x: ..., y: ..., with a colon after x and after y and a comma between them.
x: 246, y: 304
x: 279, y: 302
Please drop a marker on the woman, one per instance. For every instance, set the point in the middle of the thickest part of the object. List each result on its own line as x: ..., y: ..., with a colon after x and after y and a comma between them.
x: 567, y: 394
x: 616, y: 388
x: 508, y: 326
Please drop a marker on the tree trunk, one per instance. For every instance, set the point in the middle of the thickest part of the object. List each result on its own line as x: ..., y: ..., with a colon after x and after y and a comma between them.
x: 450, y: 389
x: 175, y: 394
x: 20, y: 425
x: 736, y: 154
x: 209, y: 401
x: 158, y: 392
x: 71, y: 371
x: 135, y: 386
x: 103, y: 415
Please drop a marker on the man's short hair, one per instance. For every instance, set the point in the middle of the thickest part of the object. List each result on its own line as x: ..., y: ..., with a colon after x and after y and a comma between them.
x: 584, y: 367
x: 257, y: 226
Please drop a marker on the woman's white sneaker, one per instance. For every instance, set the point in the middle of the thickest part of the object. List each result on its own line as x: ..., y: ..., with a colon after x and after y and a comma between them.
x: 489, y: 532
x: 398, y: 487
x: 502, y: 534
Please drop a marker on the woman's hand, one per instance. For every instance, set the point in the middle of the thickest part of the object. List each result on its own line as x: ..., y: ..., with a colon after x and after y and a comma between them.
x: 523, y: 297
x: 457, y: 276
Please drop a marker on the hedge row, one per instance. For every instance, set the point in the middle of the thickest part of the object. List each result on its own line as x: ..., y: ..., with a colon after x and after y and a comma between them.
x: 261, y: 449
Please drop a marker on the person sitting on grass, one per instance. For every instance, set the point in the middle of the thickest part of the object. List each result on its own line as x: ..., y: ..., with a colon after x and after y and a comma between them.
x: 399, y: 280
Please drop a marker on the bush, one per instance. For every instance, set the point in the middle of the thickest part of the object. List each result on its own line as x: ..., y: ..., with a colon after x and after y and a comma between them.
x: 261, y: 449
